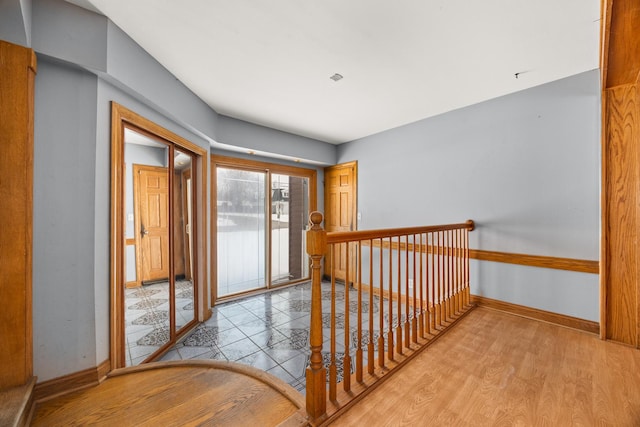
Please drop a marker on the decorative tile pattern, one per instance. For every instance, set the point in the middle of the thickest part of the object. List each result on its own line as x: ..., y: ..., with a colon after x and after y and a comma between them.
x: 339, y: 295
x: 147, y: 304
x: 157, y: 338
x: 300, y: 305
x: 152, y: 318
x: 203, y: 336
x: 271, y: 331
x: 353, y: 306
x: 365, y: 339
x: 144, y: 292
x: 297, y: 339
x: 339, y: 360
x: 326, y: 320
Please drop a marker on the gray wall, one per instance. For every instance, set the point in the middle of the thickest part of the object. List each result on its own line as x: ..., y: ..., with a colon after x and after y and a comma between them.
x: 85, y: 63
x: 63, y: 221
x: 525, y: 167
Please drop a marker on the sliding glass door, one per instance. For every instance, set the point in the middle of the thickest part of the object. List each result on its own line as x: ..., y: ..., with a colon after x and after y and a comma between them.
x: 261, y: 217
x: 242, y: 230
x: 289, y: 213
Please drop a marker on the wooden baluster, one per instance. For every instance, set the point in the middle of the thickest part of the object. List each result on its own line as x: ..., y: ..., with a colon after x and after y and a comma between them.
x: 346, y: 361
x: 441, y: 295
x: 449, y: 275
x: 452, y: 271
x: 459, y: 275
x: 381, y: 332
x: 421, y: 315
x: 407, y: 320
x: 359, y: 348
x: 390, y: 332
x: 434, y: 277
x: 467, y: 267
x: 456, y: 308
x: 445, y: 274
x: 333, y: 368
x: 370, y: 347
x: 399, y: 325
x: 445, y: 289
x: 452, y: 285
x: 407, y: 325
x: 414, y: 319
x: 432, y: 283
x: 316, y: 374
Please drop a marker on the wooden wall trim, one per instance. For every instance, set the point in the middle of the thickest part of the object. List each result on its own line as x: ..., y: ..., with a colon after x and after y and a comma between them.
x: 17, y: 71
x: 620, y: 77
x: 537, y: 314
x: 72, y: 382
x: 568, y: 264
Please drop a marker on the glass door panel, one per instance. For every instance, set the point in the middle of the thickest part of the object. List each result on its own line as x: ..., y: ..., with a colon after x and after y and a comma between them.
x: 183, y: 249
x: 147, y: 288
x: 289, y: 212
x: 242, y: 230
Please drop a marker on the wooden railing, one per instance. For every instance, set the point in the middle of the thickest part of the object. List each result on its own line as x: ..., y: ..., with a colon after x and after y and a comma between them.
x: 388, y: 294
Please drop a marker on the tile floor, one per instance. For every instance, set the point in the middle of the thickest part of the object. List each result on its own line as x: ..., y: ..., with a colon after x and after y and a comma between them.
x: 147, y: 317
x: 271, y: 331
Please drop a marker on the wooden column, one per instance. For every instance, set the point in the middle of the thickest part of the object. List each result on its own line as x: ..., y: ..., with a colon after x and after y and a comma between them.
x: 17, y: 72
x: 619, y: 272
x: 316, y: 372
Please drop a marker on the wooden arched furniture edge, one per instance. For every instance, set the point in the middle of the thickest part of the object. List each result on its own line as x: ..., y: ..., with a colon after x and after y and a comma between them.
x: 272, y: 381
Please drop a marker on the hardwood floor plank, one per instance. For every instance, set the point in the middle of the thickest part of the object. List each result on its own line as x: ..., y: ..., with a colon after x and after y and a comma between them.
x: 499, y: 369
x: 175, y: 395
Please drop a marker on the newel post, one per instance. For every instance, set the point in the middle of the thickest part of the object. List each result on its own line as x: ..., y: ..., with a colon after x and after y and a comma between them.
x: 316, y: 372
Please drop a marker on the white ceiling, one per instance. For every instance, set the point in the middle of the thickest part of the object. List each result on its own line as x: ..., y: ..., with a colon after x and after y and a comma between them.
x: 269, y: 62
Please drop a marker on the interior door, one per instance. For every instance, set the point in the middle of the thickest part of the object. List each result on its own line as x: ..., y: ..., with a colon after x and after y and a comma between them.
x: 340, y: 201
x: 153, y: 229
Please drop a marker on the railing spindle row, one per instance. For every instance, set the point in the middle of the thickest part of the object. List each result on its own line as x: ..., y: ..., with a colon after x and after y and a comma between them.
x: 415, y: 297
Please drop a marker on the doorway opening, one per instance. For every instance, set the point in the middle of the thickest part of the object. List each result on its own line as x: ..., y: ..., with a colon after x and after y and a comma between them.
x: 158, y: 235
x: 259, y: 224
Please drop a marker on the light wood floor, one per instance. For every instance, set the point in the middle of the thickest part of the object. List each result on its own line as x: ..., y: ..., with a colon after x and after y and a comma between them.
x: 194, y: 393
x: 497, y: 369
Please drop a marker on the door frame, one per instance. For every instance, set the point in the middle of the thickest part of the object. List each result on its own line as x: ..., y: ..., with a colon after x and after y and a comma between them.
x: 121, y: 118
x: 256, y: 166
x: 354, y: 209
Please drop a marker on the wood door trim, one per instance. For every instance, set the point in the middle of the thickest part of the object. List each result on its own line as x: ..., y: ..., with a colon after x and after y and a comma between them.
x: 122, y: 118
x: 256, y: 166
x: 620, y: 82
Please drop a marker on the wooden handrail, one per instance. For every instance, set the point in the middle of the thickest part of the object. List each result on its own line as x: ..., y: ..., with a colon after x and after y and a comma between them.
x: 418, y: 287
x: 353, y: 236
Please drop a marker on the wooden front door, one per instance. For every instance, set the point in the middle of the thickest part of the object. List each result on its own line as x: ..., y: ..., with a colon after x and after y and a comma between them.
x: 152, y: 223
x: 340, y: 201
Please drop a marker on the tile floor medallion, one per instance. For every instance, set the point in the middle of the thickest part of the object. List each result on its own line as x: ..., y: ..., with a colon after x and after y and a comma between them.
x: 270, y: 331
